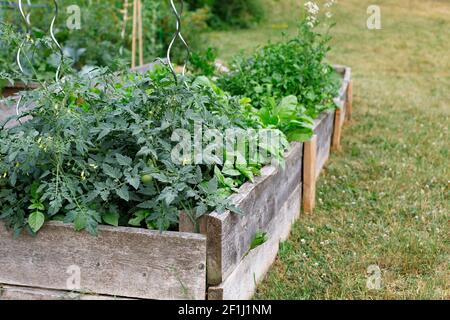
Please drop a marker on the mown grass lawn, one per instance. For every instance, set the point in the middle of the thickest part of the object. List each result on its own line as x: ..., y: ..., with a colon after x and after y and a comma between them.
x: 384, y: 199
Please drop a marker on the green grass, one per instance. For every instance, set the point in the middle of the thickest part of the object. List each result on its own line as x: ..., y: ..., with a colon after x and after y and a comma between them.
x: 384, y: 199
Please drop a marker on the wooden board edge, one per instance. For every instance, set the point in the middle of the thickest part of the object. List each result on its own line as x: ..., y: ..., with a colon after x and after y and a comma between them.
x: 9, y: 292
x: 131, y: 230
x: 197, y: 289
x: 309, y: 175
x: 216, y: 222
x: 241, y: 284
x: 337, y: 132
x: 349, y: 101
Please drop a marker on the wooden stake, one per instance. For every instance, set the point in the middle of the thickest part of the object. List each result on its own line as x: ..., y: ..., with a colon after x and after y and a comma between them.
x: 133, y: 36
x: 337, y: 133
x: 125, y: 19
x: 141, y: 49
x: 349, y: 100
x: 309, y: 175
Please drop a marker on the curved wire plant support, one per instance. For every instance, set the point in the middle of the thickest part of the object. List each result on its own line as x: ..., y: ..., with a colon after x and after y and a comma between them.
x: 180, y: 36
x: 27, y: 19
x: 52, y: 35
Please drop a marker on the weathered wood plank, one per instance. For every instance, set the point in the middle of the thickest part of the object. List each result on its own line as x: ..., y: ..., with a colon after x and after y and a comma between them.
x: 9, y: 90
x: 8, y: 292
x: 337, y: 133
x: 339, y: 68
x: 309, y: 175
x: 241, y: 283
x: 349, y: 102
x: 186, y: 224
x: 124, y: 262
x: 230, y: 235
x: 323, y: 129
x: 348, y: 75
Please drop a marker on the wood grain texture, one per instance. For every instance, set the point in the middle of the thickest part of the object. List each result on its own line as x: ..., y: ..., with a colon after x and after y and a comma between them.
x: 9, y: 90
x: 349, y: 102
x: 309, y: 175
x: 337, y: 133
x: 185, y: 224
x: 345, y: 92
x: 124, y: 262
x: 323, y: 129
x: 8, y: 292
x: 241, y: 283
x: 230, y: 235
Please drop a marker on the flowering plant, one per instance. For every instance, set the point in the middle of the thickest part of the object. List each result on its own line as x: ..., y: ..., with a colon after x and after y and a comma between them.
x: 313, y: 10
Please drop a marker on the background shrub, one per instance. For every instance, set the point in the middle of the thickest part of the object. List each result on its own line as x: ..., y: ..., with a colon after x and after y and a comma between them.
x: 237, y: 13
x: 99, y: 41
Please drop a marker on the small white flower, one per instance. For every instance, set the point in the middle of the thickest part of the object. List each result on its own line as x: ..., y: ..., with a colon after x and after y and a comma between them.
x: 311, y: 21
x: 303, y: 241
x: 329, y: 15
x: 330, y: 3
x: 312, y: 7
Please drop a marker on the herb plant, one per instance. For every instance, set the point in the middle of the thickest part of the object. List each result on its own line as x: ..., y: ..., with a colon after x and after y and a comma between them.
x: 288, y: 81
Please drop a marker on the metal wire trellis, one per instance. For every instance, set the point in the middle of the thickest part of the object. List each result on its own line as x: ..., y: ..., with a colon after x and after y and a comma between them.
x: 27, y: 19
x: 179, y: 36
x: 52, y: 35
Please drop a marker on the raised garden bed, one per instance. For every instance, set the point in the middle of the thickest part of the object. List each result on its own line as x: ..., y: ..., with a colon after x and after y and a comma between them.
x: 137, y: 263
x: 217, y: 264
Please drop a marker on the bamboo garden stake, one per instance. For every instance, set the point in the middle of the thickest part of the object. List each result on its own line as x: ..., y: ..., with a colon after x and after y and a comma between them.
x: 137, y: 31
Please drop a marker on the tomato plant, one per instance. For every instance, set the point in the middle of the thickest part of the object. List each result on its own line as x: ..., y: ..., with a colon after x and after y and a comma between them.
x: 98, y: 149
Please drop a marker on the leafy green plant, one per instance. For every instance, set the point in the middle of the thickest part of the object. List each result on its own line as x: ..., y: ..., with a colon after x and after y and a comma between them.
x: 288, y: 81
x: 99, y: 41
x: 203, y: 62
x: 37, y: 218
x: 235, y: 13
x: 98, y: 150
x: 259, y: 239
x: 288, y: 116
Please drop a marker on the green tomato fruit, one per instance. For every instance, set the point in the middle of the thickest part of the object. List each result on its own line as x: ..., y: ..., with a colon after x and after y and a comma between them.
x: 146, y: 179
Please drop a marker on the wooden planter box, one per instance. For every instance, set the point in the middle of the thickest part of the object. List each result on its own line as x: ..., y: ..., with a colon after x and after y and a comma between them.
x: 272, y: 204
x: 143, y: 264
x: 327, y: 137
x: 9, y: 90
x: 119, y: 262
